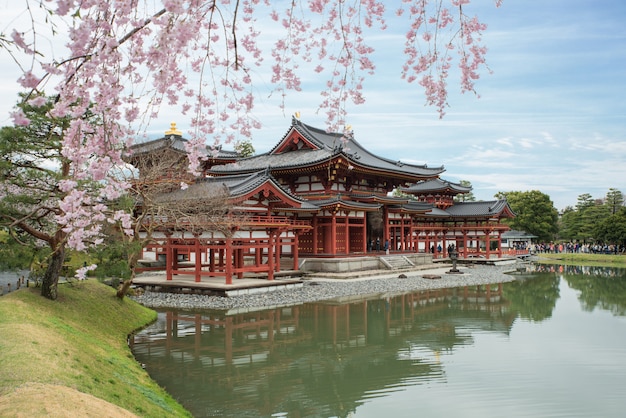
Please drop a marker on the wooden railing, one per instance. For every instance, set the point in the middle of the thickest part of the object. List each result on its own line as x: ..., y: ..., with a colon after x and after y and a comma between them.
x: 247, y: 221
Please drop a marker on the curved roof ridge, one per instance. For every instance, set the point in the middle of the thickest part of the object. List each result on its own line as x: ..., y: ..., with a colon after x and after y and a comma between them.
x: 481, y: 208
x: 435, y: 185
x: 351, y: 140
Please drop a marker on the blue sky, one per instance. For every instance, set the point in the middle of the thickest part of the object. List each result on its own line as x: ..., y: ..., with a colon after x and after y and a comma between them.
x: 551, y: 116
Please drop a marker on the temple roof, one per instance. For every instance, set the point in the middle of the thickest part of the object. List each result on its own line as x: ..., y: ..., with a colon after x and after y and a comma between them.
x: 177, y: 143
x: 240, y: 187
x: 499, y: 208
x: 338, y: 202
x: 304, y: 145
x: 436, y: 186
x: 413, y: 207
x: 463, y: 210
x: 514, y: 234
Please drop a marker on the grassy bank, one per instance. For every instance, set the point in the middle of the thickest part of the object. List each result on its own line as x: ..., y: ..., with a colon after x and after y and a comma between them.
x: 70, y: 357
x: 585, y: 259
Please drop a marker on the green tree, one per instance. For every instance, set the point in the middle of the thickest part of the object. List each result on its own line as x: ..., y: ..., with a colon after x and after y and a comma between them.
x: 535, y: 213
x: 593, y: 219
x: 584, y: 201
x: 590, y: 218
x: 569, y: 224
x: 614, y: 200
x: 14, y: 255
x: 245, y: 148
x: 32, y: 166
x: 465, y: 197
x: 613, y: 228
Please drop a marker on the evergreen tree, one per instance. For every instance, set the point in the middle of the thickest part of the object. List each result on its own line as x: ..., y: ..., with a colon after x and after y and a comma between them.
x: 32, y: 168
x: 613, y: 228
x: 245, y: 148
x: 465, y: 197
x: 614, y: 200
x: 535, y: 213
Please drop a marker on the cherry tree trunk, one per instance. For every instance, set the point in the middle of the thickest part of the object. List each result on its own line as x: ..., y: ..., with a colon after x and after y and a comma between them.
x: 50, y: 279
x: 123, y: 289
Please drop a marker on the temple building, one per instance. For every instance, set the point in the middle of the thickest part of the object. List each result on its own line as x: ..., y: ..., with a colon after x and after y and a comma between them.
x: 317, y: 196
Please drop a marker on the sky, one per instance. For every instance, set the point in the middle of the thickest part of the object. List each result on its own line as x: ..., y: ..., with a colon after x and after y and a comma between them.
x: 551, y: 115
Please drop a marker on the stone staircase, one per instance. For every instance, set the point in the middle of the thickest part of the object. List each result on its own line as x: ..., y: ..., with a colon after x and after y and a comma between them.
x: 396, y: 262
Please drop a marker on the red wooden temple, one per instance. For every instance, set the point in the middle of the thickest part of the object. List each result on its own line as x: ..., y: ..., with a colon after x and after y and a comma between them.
x: 319, y: 195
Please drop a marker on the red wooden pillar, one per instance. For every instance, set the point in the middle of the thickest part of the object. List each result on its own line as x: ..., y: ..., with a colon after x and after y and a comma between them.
x: 228, y: 267
x: 220, y: 263
x: 175, y: 255
x: 270, y: 256
x: 464, y: 243
x: 239, y: 261
x: 402, y: 245
x: 258, y: 254
x: 278, y: 250
x: 333, y: 234
x: 488, y: 243
x: 168, y: 258
x: 347, y: 234
x: 386, y: 222
x: 364, y: 233
x: 315, y: 234
x: 198, y: 264
x: 295, y: 251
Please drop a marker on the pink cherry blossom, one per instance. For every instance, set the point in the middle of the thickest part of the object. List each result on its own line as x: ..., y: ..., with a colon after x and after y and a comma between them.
x: 122, y: 60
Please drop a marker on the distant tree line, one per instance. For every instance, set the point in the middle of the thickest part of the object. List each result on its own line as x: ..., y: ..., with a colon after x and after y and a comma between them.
x: 591, y: 221
x: 599, y: 221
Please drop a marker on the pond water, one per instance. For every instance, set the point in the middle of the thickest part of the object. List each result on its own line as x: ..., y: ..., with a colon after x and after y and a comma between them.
x: 550, y: 344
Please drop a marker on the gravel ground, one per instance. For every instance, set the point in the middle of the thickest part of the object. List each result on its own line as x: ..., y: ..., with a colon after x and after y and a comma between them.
x: 323, y: 288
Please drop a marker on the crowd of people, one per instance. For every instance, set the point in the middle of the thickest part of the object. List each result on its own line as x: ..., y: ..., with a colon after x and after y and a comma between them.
x: 575, y: 247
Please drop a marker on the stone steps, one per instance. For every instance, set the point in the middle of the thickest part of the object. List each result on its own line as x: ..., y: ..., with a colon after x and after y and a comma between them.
x: 396, y: 262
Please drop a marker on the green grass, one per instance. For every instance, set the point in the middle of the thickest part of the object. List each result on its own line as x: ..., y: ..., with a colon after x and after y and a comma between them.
x: 584, y: 259
x: 79, y: 341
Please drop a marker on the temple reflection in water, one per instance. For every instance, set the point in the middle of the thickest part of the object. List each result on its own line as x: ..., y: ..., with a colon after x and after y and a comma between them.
x: 317, y: 359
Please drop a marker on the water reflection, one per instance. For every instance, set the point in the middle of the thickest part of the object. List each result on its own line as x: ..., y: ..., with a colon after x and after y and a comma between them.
x: 321, y: 359
x: 600, y: 287
x: 329, y: 359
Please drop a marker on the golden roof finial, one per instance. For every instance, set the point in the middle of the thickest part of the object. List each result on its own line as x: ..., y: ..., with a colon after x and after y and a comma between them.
x: 173, y: 130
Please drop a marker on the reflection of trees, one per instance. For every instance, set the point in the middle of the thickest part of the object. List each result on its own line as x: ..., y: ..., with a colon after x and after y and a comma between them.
x: 535, y: 298
x: 600, y: 287
x: 322, y: 359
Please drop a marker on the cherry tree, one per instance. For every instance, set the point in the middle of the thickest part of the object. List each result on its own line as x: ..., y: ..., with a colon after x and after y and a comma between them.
x: 124, y: 60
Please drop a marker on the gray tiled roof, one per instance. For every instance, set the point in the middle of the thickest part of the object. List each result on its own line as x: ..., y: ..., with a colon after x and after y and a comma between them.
x: 177, y: 143
x: 512, y: 234
x: 498, y: 208
x: 412, y: 206
x: 324, y: 203
x: 275, y: 161
x: 481, y: 209
x: 235, y: 186
x: 379, y: 198
x: 329, y: 145
x: 358, y: 153
x: 436, y: 212
x: 435, y: 185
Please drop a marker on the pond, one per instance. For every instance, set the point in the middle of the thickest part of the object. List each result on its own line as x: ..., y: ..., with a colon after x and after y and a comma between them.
x: 550, y: 344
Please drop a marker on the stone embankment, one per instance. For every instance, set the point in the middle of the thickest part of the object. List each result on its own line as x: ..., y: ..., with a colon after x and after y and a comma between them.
x: 321, y: 288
